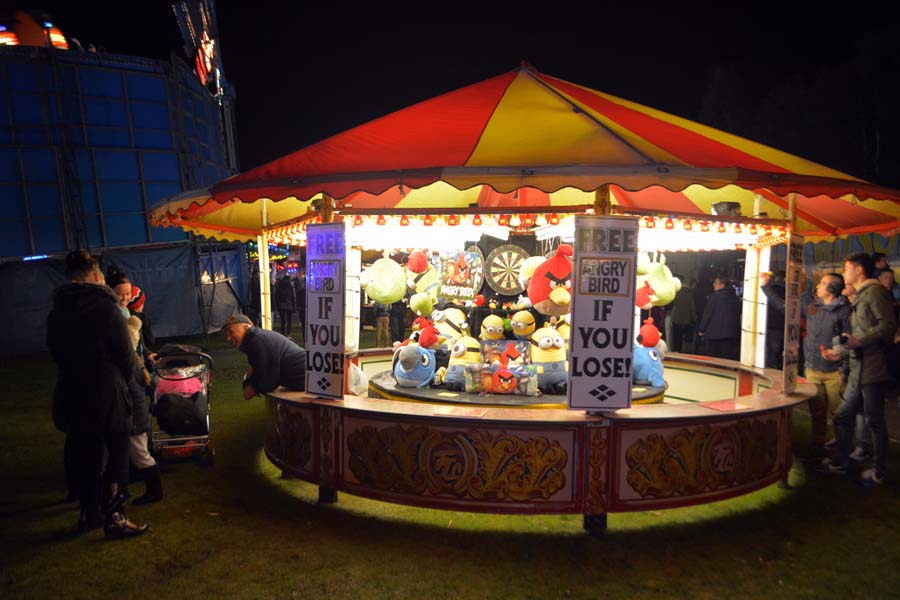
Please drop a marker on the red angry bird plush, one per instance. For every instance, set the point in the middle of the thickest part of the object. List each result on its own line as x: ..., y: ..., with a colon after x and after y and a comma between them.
x: 503, y: 381
x: 417, y: 262
x: 420, y: 323
x: 643, y: 297
x: 648, y: 335
x: 430, y: 337
x: 550, y: 288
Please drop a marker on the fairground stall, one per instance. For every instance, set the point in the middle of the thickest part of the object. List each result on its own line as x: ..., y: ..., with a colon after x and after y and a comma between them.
x: 528, y: 195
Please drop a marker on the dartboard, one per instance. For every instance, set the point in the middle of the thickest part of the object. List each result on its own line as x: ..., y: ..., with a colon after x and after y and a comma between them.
x: 502, y: 269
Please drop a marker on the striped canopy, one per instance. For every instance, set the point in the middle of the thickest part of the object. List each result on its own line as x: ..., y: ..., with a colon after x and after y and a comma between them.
x: 526, y: 139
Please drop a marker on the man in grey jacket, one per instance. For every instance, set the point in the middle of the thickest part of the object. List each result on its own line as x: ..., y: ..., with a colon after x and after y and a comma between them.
x: 827, y: 317
x: 872, y: 326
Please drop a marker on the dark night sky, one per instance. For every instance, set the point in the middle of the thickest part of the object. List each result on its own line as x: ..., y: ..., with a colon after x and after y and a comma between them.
x: 792, y: 78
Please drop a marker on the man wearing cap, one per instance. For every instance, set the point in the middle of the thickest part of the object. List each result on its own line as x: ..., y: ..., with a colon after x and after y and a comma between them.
x: 274, y: 359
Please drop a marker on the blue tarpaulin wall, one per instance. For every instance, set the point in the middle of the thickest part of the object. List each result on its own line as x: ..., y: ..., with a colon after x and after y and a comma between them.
x: 168, y: 276
x: 223, y: 285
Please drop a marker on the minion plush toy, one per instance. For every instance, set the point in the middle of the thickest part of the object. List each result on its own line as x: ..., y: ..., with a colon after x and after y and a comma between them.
x: 548, y: 356
x: 492, y: 328
x: 465, y: 351
x: 523, y: 324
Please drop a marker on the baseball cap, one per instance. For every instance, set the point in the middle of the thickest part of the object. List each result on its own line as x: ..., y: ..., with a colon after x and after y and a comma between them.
x: 236, y: 319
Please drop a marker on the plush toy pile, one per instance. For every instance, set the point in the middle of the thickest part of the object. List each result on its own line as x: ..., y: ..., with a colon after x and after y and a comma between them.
x: 520, y: 347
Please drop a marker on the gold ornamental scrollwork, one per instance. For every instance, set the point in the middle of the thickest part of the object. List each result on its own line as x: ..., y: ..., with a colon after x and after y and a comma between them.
x: 704, y: 458
x: 595, y: 502
x: 326, y: 439
x: 473, y: 464
x: 290, y: 437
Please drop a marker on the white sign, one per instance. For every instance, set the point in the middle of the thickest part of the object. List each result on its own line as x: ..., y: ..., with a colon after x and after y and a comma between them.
x: 601, y: 338
x: 325, y: 265
x: 792, y: 339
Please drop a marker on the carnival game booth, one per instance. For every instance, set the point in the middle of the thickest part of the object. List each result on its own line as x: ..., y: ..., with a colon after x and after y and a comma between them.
x: 528, y: 153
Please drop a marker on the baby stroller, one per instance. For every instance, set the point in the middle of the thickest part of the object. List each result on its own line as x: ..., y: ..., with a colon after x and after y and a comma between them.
x: 181, y: 404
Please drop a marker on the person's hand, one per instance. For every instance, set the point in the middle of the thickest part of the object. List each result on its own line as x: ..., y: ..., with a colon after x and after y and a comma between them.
x: 832, y: 355
x: 249, y: 391
x: 764, y: 278
x: 852, y: 342
x: 153, y: 358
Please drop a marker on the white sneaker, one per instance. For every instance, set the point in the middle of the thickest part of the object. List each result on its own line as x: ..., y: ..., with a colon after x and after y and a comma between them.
x: 859, y: 454
x: 869, y: 478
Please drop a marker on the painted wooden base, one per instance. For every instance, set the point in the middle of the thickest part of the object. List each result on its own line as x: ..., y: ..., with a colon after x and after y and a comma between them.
x: 524, y: 460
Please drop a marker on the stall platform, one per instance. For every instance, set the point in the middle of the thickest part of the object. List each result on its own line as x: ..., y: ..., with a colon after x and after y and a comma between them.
x: 547, y: 459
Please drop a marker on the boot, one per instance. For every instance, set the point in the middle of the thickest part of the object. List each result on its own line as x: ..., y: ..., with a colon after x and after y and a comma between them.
x: 118, y: 527
x: 154, y: 492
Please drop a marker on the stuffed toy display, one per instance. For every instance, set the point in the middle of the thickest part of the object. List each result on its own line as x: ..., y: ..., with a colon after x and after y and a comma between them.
x: 384, y: 281
x: 550, y: 287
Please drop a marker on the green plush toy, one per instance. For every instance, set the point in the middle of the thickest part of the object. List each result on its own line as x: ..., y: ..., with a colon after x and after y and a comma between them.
x: 656, y: 286
x: 422, y: 304
x: 384, y: 281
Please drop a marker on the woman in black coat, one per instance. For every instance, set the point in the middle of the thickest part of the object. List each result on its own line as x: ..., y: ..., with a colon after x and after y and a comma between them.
x: 88, y: 340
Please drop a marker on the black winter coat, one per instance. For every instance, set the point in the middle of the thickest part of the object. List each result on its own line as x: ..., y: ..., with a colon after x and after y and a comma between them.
x: 721, y: 316
x: 140, y: 403
x: 89, y: 342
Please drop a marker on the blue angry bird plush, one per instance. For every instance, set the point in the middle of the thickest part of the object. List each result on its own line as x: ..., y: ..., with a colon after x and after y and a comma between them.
x: 413, y: 366
x: 648, y: 367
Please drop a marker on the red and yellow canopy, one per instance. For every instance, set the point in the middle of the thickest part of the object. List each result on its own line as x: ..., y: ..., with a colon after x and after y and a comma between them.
x: 525, y: 139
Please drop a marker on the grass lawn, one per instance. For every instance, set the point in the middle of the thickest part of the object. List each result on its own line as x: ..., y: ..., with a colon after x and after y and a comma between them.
x: 238, y: 530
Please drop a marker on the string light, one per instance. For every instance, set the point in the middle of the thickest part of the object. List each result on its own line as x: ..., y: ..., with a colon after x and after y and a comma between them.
x: 753, y: 229
x: 688, y: 225
x: 737, y: 228
x: 404, y: 220
x: 476, y: 220
x: 357, y: 220
x: 721, y: 228
x: 651, y: 223
x: 527, y: 220
x: 427, y: 221
x: 381, y: 220
x: 670, y: 224
x: 704, y: 226
x: 452, y: 220
x: 553, y: 219
x: 503, y: 221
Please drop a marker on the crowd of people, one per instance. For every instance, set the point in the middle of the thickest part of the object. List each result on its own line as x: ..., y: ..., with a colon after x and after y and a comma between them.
x: 850, y: 352
x: 288, y: 297
x: 101, y: 341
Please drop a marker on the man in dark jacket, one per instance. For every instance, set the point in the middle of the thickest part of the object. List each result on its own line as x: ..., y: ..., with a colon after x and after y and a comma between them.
x: 773, y: 288
x: 89, y: 342
x: 827, y: 317
x: 274, y: 359
x: 720, y: 325
x: 872, y: 326
x: 286, y: 302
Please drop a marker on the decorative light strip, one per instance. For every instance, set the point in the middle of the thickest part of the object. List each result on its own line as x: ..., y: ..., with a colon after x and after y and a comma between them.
x: 671, y: 234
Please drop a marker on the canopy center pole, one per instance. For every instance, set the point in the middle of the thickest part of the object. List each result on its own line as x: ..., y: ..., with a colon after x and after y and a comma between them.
x: 265, y: 280
x: 327, y: 208
x: 602, y: 205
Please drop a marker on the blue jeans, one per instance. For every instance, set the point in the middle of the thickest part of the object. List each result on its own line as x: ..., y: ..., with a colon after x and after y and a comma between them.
x: 870, y: 398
